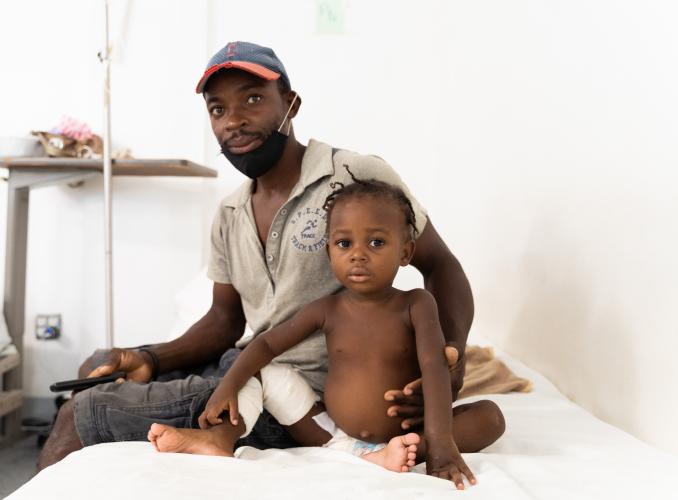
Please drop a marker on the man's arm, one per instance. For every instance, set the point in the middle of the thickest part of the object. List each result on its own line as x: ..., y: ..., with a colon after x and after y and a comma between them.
x: 447, y: 282
x: 202, y: 343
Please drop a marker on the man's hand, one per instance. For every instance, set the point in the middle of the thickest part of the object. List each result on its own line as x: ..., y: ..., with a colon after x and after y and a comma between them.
x: 409, y: 402
x: 222, y: 399
x: 105, y: 361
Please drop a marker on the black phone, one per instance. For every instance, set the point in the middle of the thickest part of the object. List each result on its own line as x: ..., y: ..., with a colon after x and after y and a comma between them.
x: 79, y: 384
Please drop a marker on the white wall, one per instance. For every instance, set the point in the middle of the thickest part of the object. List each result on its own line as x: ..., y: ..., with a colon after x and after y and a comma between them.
x: 564, y: 119
x: 49, y: 69
x: 540, y: 135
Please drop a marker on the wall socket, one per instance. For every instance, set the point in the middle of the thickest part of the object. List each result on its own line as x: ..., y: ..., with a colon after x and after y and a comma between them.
x: 47, y: 326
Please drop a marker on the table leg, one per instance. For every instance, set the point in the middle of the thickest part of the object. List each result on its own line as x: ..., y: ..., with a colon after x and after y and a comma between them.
x: 15, y: 293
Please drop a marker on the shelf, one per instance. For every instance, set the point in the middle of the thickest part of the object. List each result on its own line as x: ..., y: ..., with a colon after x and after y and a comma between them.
x: 136, y: 167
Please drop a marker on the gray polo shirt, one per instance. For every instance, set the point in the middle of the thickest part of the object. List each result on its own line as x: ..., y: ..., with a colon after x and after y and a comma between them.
x: 293, y: 270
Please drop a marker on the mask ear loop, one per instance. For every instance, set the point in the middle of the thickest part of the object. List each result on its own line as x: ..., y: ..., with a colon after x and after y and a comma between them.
x: 287, y: 114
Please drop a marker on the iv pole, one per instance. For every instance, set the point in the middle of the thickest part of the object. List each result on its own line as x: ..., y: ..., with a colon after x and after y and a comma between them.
x: 105, y: 59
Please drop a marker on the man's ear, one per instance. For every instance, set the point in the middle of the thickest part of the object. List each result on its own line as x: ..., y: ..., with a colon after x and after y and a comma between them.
x: 408, y: 252
x: 289, y: 97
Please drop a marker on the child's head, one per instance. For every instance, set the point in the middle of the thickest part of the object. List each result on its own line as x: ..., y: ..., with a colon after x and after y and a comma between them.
x: 371, y: 229
x: 376, y: 189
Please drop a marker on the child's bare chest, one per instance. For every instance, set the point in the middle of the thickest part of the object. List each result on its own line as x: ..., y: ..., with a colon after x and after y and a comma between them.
x: 378, y: 337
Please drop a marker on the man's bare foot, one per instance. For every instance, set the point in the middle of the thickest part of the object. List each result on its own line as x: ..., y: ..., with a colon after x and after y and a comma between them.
x: 399, y: 454
x: 218, y: 440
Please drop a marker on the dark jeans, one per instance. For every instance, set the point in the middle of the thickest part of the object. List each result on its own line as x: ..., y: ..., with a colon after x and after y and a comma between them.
x: 125, y: 412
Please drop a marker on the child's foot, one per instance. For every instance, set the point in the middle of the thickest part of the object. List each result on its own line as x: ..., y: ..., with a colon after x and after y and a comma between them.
x: 218, y: 440
x: 399, y: 454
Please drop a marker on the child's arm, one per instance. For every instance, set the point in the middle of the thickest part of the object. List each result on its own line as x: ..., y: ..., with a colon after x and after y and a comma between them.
x: 443, y: 458
x: 258, y: 354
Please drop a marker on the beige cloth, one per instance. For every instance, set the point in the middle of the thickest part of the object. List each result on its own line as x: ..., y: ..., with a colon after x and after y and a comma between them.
x: 485, y: 374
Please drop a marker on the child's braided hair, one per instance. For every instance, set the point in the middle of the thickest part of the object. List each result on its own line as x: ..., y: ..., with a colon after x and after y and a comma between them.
x: 370, y: 187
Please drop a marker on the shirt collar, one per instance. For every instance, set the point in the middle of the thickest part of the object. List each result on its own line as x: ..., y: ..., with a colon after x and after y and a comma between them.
x: 316, y: 164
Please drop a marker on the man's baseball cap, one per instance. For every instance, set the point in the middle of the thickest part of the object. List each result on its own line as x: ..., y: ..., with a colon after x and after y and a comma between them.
x: 250, y: 57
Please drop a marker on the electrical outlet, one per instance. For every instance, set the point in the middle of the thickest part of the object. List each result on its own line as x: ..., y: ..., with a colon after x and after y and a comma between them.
x: 47, y: 326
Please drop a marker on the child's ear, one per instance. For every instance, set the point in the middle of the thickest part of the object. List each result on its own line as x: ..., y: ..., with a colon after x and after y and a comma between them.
x: 408, y: 252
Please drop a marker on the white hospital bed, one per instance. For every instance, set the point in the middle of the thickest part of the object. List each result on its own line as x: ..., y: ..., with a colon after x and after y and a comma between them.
x: 552, y: 450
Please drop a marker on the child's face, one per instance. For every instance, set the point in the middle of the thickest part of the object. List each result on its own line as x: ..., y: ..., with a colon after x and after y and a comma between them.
x: 367, y: 243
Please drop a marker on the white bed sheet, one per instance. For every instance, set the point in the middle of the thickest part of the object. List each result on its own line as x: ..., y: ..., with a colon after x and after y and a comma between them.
x: 552, y: 450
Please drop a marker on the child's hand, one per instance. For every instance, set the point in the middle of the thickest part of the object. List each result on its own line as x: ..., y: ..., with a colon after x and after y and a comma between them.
x: 445, y: 461
x: 222, y: 399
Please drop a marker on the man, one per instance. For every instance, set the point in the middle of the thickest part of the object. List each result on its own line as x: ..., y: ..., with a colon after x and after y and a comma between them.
x: 268, y: 260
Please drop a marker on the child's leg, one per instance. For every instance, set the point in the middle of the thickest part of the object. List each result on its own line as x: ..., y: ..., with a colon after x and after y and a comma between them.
x: 217, y: 440
x: 293, y: 403
x: 399, y: 454
x: 306, y: 431
x: 475, y: 426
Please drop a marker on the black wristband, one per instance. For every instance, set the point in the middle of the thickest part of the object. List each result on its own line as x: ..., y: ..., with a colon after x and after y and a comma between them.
x: 155, y: 362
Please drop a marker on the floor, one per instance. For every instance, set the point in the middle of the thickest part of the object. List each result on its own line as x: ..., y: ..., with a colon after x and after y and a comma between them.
x: 17, y: 464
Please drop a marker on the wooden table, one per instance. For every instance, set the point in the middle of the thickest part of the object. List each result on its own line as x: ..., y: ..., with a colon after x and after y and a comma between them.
x: 26, y: 174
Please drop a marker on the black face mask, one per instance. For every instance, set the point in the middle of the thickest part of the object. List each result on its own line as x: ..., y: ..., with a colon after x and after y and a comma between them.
x: 256, y: 163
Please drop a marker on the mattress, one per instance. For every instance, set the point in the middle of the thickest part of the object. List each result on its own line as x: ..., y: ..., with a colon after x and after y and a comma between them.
x: 552, y: 449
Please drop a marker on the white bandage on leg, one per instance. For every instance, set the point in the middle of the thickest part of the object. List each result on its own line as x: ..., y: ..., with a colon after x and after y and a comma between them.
x: 287, y: 395
x: 250, y: 403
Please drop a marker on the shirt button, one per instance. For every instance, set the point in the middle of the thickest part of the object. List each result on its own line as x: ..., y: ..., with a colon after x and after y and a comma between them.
x: 274, y: 234
x: 269, y: 257
x: 283, y: 211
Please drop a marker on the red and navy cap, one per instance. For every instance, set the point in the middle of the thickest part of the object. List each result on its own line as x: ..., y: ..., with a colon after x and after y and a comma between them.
x: 250, y: 57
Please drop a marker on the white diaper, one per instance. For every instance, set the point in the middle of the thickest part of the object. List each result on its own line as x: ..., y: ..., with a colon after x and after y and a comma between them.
x: 342, y: 441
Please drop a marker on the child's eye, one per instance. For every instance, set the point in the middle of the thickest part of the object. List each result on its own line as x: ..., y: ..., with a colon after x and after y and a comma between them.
x: 376, y: 243
x: 253, y: 99
x: 216, y: 111
x: 343, y: 243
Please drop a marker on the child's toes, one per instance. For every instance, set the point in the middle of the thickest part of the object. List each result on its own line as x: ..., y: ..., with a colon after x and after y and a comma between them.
x: 151, y: 435
x: 412, y: 438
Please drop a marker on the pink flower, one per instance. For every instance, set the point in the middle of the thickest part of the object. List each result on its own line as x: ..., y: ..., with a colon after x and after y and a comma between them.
x: 75, y: 129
